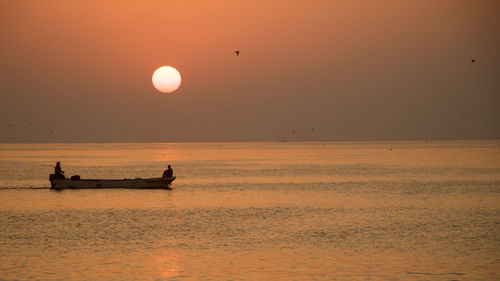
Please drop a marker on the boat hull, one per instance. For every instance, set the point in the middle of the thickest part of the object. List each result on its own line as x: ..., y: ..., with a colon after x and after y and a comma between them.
x: 138, y: 183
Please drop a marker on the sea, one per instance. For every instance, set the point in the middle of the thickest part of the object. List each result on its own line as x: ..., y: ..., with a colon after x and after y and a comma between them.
x: 405, y: 210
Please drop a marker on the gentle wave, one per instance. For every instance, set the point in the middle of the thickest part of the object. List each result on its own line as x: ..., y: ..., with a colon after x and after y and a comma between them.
x: 16, y: 187
x: 436, y: 274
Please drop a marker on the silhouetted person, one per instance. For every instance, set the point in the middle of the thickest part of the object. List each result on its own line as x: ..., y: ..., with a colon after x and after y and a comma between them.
x: 168, y: 173
x: 58, y: 172
x: 237, y: 52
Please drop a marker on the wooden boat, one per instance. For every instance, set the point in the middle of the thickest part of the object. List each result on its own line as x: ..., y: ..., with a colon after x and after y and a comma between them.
x: 137, y: 183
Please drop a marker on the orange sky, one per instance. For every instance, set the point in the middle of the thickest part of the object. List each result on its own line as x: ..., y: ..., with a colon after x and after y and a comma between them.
x: 308, y: 70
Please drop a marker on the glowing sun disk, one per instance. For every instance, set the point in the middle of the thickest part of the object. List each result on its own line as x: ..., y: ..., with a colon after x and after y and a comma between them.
x: 166, y: 79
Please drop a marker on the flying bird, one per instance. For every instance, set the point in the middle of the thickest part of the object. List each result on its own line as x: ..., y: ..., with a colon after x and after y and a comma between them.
x: 237, y: 52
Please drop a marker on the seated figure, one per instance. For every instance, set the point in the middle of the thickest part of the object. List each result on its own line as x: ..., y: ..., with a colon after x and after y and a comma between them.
x: 168, y: 173
x: 58, y: 172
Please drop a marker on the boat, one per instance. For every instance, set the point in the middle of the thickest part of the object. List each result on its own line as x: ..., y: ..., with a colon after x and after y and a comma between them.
x: 138, y: 183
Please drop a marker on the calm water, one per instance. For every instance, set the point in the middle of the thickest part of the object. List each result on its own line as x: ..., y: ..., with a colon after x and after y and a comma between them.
x: 255, y: 211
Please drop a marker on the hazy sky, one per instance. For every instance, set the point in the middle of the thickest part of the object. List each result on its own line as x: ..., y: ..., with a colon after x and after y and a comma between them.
x: 308, y: 70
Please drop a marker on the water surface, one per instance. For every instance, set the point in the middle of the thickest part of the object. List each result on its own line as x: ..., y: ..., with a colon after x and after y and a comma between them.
x: 255, y: 211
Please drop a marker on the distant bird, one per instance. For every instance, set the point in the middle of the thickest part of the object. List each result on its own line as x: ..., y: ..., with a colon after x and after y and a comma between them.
x: 472, y: 60
x: 237, y: 52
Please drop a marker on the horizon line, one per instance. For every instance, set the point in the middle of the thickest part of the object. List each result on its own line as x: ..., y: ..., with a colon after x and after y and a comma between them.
x: 258, y: 141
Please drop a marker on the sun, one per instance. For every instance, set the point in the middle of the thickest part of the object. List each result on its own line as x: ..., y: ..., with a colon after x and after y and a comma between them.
x: 166, y: 79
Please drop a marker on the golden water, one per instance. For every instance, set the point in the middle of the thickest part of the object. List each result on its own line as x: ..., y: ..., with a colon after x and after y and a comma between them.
x: 255, y: 211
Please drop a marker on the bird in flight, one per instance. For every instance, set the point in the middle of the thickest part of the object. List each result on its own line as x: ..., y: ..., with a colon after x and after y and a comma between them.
x: 237, y: 52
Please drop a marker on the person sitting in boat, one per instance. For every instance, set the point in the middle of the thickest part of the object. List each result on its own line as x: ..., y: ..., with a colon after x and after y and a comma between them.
x: 168, y: 173
x: 58, y: 172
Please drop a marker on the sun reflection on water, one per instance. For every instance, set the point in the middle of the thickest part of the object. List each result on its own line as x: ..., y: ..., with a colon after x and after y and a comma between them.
x: 167, y: 264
